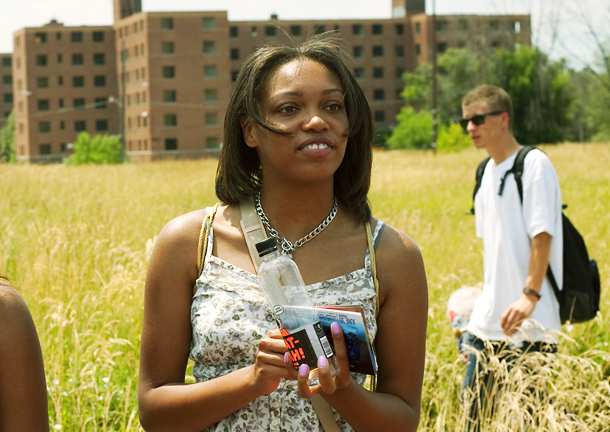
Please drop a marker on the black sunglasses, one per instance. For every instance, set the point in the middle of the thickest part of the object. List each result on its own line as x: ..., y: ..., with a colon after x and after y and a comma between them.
x: 477, y: 119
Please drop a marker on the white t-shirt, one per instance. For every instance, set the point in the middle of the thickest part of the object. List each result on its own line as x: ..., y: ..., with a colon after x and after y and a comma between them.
x: 507, y: 228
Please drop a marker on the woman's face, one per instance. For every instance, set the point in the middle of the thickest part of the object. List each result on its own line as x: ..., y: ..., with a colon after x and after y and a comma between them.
x: 306, y: 100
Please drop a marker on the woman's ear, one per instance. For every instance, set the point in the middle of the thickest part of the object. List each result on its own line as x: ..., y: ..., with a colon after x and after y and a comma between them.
x: 249, y: 132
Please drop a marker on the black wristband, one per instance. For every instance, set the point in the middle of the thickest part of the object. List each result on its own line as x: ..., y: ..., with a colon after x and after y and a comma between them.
x: 527, y: 290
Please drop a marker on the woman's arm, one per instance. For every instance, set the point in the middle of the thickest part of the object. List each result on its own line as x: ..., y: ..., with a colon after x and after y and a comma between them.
x: 23, y: 389
x: 165, y: 401
x: 400, y: 346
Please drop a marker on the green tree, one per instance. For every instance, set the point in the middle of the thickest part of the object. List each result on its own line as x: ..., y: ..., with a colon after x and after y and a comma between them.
x: 99, y: 149
x: 7, y: 139
x: 413, y: 130
x: 452, y: 139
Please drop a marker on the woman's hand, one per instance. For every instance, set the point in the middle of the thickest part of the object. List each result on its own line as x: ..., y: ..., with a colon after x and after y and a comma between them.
x: 328, y: 384
x: 269, y: 368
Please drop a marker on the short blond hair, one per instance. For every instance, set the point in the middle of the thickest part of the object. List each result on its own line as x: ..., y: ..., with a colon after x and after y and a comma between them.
x: 496, y: 98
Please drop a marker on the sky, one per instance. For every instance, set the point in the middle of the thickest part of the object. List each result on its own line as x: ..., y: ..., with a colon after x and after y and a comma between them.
x: 557, y: 24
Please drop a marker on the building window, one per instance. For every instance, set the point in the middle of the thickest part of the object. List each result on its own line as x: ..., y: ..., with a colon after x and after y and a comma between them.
x: 399, y: 72
x: 378, y: 51
x: 170, y: 120
x: 211, y: 119
x: 169, y: 72
x: 418, y: 28
x: 417, y: 49
x: 8, y: 98
x: 135, y: 27
x: 44, y: 126
x: 358, y: 30
x: 296, y: 30
x: 63, y: 147
x: 101, y: 125
x: 59, y: 58
x: 359, y: 73
x: 79, y: 104
x: 100, y: 103
x: 169, y: 95
x: 234, y: 31
x: 6, y: 62
x: 171, y: 143
x: 142, y: 49
x: 44, y: 149
x: 141, y: 25
x: 377, y: 29
x: 358, y: 51
x: 135, y: 51
x: 99, y: 58
x: 167, y: 23
x: 378, y: 72
x: 43, y: 105
x: 42, y: 82
x: 210, y: 71
x: 80, y: 126
x: 234, y: 53
x: 319, y: 29
x: 99, y: 80
x: 399, y: 29
x: 212, y: 143
x: 379, y: 116
x: 60, y: 80
x: 41, y: 60
x: 517, y: 26
x: 441, y: 26
x: 40, y: 38
x: 378, y: 94
x: 399, y: 51
x: 78, y: 81
x: 98, y: 36
x: 270, y: 31
x: 62, y: 125
x: 208, y: 23
x: 494, y: 25
x: 7, y: 80
x: 77, y: 59
x: 61, y: 102
x: 462, y: 25
x: 58, y: 36
x: 76, y: 37
x: 167, y: 47
x: 209, y: 47
x: 211, y: 95
x: 441, y: 47
x: 254, y: 31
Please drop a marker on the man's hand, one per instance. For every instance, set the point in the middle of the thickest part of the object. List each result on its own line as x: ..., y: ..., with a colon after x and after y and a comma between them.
x: 516, y: 313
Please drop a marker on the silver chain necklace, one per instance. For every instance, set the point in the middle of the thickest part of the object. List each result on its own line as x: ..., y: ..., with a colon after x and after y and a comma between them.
x: 287, y: 245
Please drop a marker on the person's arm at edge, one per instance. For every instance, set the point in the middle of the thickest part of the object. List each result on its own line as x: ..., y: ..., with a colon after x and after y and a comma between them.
x: 165, y: 401
x: 23, y: 390
x: 400, y: 343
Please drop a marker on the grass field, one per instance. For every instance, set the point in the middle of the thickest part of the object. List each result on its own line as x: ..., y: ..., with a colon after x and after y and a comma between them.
x: 75, y: 241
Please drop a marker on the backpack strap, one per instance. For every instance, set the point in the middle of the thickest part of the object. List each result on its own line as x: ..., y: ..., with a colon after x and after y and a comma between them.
x: 517, y: 171
x: 478, y: 178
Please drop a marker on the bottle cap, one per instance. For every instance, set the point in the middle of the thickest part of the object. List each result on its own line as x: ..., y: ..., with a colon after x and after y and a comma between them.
x: 266, y: 246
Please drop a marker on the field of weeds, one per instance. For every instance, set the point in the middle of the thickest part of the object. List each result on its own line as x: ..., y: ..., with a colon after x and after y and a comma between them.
x: 75, y: 242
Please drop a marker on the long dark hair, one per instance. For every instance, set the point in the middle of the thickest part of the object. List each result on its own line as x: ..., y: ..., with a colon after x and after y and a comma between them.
x: 239, y: 172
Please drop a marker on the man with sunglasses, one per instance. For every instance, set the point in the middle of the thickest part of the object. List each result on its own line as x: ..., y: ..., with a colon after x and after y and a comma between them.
x: 517, y: 312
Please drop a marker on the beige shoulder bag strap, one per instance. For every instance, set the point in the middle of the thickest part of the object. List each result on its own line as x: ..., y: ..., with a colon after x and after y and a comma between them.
x: 254, y: 232
x: 204, y: 235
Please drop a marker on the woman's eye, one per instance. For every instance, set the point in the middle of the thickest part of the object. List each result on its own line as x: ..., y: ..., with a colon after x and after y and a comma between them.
x: 334, y: 107
x: 287, y: 109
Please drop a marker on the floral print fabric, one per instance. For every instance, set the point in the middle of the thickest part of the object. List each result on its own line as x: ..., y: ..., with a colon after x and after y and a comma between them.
x: 229, y: 315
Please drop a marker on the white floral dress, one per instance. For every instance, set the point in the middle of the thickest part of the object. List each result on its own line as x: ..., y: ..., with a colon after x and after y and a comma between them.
x: 229, y: 316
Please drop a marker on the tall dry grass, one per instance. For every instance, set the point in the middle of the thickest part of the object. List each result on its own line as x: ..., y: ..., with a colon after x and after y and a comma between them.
x: 75, y: 241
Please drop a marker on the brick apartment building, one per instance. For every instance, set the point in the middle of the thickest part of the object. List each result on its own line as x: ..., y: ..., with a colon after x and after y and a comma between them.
x: 6, y: 87
x: 163, y: 79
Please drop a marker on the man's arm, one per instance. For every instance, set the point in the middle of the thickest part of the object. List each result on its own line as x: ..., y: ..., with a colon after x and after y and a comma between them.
x: 523, y: 308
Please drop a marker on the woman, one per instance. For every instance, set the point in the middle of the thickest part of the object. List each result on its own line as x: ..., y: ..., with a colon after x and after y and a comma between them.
x: 298, y: 134
x: 23, y: 389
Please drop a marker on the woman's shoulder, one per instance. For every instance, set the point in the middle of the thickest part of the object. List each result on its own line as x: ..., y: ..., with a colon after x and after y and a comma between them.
x: 15, y: 316
x: 395, y: 243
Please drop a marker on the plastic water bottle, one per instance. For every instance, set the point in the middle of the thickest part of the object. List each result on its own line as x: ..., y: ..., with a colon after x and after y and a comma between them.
x: 293, y: 310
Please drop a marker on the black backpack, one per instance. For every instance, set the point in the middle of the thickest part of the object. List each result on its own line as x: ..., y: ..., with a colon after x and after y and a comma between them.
x: 579, y: 298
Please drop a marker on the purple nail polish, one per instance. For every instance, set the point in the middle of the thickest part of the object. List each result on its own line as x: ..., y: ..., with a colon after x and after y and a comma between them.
x: 303, y: 370
x: 335, y: 327
x: 322, y: 361
x: 286, y: 357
